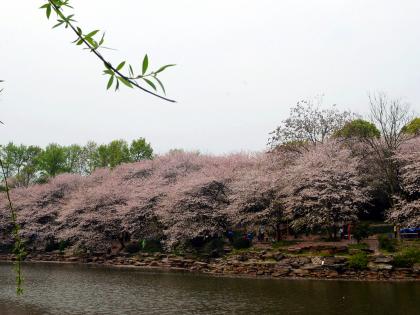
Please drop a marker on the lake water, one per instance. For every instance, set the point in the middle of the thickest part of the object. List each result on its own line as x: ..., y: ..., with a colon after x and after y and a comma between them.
x: 74, y: 289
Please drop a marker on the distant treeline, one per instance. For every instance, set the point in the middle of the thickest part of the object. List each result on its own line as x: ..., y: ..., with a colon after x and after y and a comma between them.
x: 25, y: 165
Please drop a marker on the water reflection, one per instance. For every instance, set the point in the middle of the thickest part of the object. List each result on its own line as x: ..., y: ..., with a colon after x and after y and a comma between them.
x: 73, y: 289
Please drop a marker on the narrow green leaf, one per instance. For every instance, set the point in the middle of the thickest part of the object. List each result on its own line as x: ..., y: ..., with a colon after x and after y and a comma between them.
x: 44, y: 6
x: 91, y: 42
x: 150, y: 83
x: 110, y: 81
x: 164, y: 67
x: 80, y: 42
x: 60, y: 22
x: 108, y: 71
x: 66, y: 3
x: 161, y: 85
x: 102, y: 39
x: 117, y: 86
x: 48, y: 11
x: 145, y: 64
x: 131, y: 71
x: 91, y: 34
x: 121, y: 65
x: 124, y: 81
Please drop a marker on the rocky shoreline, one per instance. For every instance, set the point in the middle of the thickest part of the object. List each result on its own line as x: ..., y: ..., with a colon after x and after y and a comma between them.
x: 255, y: 265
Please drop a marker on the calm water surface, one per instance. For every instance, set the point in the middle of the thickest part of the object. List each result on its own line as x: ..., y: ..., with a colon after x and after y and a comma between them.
x: 74, y: 289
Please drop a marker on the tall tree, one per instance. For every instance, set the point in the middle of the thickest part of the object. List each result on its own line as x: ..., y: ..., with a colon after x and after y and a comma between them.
x: 391, y: 116
x: 412, y: 128
x: 75, y: 159
x: 8, y: 155
x: 406, y: 210
x: 324, y: 189
x: 53, y: 160
x: 140, y: 150
x: 309, y: 124
x: 30, y: 169
x: 90, y: 154
x: 118, y: 153
x: 102, y: 156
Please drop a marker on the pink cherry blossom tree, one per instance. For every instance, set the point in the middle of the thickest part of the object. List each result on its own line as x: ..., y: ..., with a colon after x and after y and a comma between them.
x: 324, y: 189
x: 406, y: 210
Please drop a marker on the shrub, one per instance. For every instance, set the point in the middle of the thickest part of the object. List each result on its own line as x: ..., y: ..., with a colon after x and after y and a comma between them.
x: 413, y: 127
x: 361, y: 231
x: 358, y: 128
x: 386, y: 243
x: 358, y: 261
x: 407, y: 258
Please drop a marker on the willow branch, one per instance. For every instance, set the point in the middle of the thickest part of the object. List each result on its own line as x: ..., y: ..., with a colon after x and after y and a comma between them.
x: 18, y: 246
x: 98, y: 55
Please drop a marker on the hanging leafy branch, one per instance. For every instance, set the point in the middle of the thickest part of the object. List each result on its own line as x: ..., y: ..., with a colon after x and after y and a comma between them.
x: 18, y: 248
x: 94, y: 41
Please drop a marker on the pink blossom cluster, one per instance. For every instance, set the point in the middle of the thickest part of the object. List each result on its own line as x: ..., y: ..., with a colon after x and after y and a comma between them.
x: 181, y: 196
x: 324, y: 188
x: 406, y: 210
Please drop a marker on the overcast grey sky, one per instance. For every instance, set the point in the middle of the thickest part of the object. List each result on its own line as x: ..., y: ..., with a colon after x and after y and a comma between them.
x: 241, y: 65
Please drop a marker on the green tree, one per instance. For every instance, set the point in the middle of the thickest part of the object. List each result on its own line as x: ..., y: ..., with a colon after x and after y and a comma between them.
x: 358, y: 129
x: 118, y: 153
x: 18, y: 155
x: 29, y: 169
x: 75, y: 160
x: 6, y: 154
x: 140, y: 150
x: 413, y: 127
x: 53, y: 160
x: 102, y: 156
x: 16, y: 158
x: 361, y: 231
x: 112, y: 154
x: 91, y: 156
